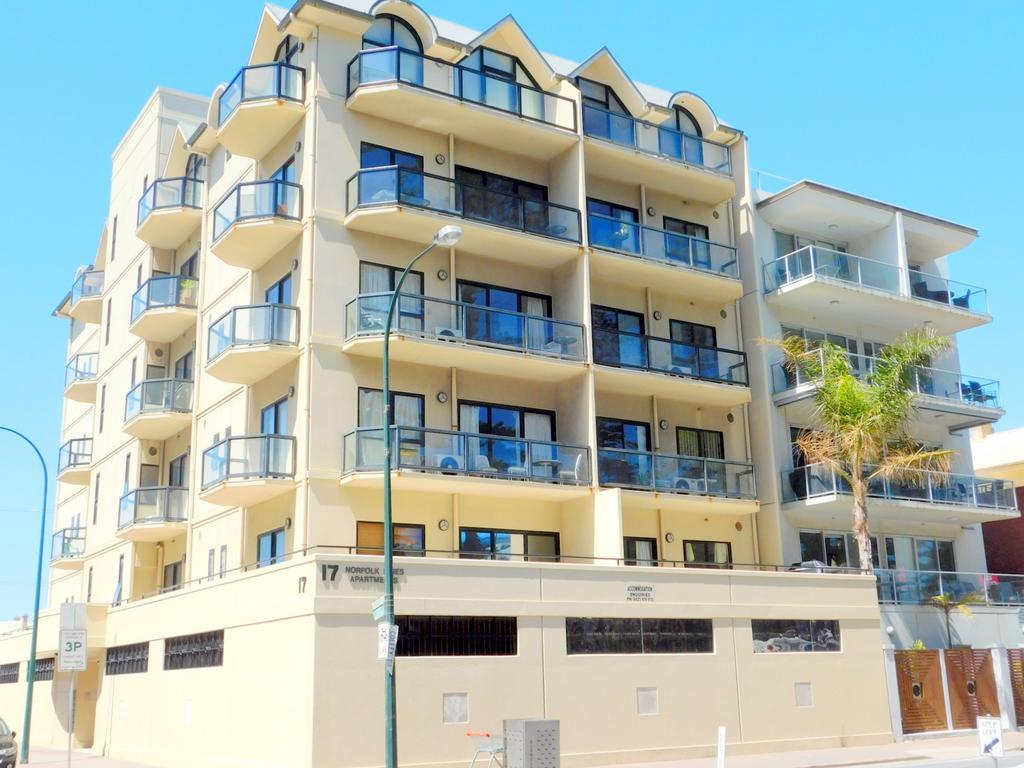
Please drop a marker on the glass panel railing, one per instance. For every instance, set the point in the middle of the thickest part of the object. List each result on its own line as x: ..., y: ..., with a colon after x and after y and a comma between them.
x: 88, y: 285
x: 655, y: 139
x: 81, y: 367
x: 164, y: 292
x: 158, y: 396
x: 456, y: 320
x: 67, y: 543
x: 257, y: 200
x: 814, y: 480
x: 251, y: 325
x: 676, y: 358
x: 75, y: 453
x: 949, y: 292
x: 824, y: 263
x: 436, y: 450
x: 662, y: 246
x: 644, y: 470
x: 248, y: 457
x: 394, y: 65
x: 146, y: 506
x: 181, y: 192
x: 262, y: 81
x: 951, y: 386
x: 392, y: 185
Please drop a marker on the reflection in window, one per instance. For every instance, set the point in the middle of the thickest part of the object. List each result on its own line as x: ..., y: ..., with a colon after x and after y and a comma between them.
x: 707, y: 554
x: 632, y: 636
x: 508, y: 545
x: 795, y: 636
x: 406, y: 539
x: 457, y: 636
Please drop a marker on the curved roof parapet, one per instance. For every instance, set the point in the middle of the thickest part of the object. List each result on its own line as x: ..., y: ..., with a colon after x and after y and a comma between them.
x: 603, y: 68
x: 509, y: 37
x: 413, y: 15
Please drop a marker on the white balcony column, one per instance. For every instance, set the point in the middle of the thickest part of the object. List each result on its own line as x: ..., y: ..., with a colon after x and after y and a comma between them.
x: 902, y: 260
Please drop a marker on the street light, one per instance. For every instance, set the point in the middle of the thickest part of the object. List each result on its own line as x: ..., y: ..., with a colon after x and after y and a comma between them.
x: 446, y: 236
x: 27, y: 728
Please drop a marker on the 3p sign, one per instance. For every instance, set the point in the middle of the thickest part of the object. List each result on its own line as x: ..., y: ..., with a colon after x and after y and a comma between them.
x: 74, y: 653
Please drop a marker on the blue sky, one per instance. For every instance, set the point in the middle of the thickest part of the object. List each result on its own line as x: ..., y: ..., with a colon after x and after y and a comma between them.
x: 915, y: 103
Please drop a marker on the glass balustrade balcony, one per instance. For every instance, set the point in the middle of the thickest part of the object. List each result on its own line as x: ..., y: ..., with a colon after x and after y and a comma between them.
x: 665, y: 473
x: 247, y: 343
x: 164, y: 307
x: 472, y: 324
x: 74, y: 460
x: 826, y: 264
x: 675, y: 358
x: 169, y: 211
x: 248, y: 469
x: 949, y: 293
x: 152, y: 514
x: 156, y: 409
x: 67, y: 546
x: 80, y: 377
x: 259, y: 106
x: 468, y: 454
x: 903, y: 587
x: 86, y: 302
x: 256, y: 220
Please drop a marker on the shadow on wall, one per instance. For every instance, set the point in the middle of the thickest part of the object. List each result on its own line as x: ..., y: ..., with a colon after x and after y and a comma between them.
x: 984, y: 628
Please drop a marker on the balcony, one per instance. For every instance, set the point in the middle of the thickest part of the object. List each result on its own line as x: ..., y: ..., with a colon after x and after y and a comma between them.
x: 902, y: 587
x: 255, y: 221
x: 664, y: 481
x: 246, y: 344
x: 153, y: 514
x: 164, y: 307
x: 242, y: 471
x: 442, y: 461
x: 86, y: 303
x: 75, y: 460
x: 437, y: 96
x: 157, y: 409
x: 67, y: 548
x: 402, y: 202
x: 636, y: 152
x: 454, y: 334
x: 259, y: 107
x: 635, y: 364
x: 80, y: 377
x: 949, y: 398
x: 812, y: 277
x: 632, y: 254
x: 813, y: 494
x: 169, y: 211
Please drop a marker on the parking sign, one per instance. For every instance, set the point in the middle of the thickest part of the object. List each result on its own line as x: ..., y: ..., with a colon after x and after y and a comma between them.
x: 74, y: 653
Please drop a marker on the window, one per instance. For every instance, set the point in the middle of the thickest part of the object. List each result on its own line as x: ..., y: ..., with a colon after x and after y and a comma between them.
x: 457, y: 636
x: 96, y: 499
x: 138, y: 277
x: 504, y: 327
x: 498, y: 83
x: 618, y: 337
x: 280, y: 292
x: 288, y: 49
x: 626, y: 435
x: 128, y: 659
x: 693, y: 333
x: 795, y: 636
x: 613, y: 226
x: 604, y: 114
x: 707, y: 554
x: 274, y: 418
x: 920, y: 554
x: 700, y: 443
x: 88, y: 587
x: 188, y: 267
x: 44, y: 669
x: 835, y: 549
x: 694, y: 349
x: 389, y: 31
x: 286, y: 172
x: 135, y: 361
x: 632, y: 636
x: 119, y: 587
x: 640, y: 551
x: 687, y: 242
x: 9, y: 673
x: 680, y: 138
x: 183, y: 366
x: 382, y: 186
x: 211, y: 559
x: 177, y: 471
x: 406, y: 411
x: 499, y: 453
x: 103, y: 404
x: 106, y: 327
x: 205, y: 649
x: 127, y: 472
x: 623, y: 452
x: 172, y: 577
x: 380, y: 278
x: 223, y: 560
x: 195, y: 167
x: 270, y: 548
x: 113, y: 240
x: 502, y: 200
x: 405, y: 539
x: 488, y: 544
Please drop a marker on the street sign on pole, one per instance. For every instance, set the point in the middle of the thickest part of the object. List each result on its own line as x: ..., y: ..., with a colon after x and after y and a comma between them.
x: 990, y: 736
x: 387, y: 643
x: 73, y: 655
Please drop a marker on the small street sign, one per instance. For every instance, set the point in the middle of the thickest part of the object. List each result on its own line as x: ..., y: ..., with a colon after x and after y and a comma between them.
x: 73, y: 655
x: 990, y: 736
x: 387, y: 643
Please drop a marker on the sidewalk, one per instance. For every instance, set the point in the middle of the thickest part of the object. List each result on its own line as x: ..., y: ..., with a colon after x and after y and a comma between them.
x: 51, y: 758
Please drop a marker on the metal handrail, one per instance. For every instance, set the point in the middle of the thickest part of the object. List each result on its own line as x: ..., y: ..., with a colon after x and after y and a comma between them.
x: 454, y: 77
x: 230, y: 339
x: 76, y: 452
x: 735, y: 373
x: 172, y: 396
x: 712, y: 472
x: 171, y: 503
x: 279, y: 204
x: 220, y: 466
x: 178, y: 291
x: 917, y: 587
x: 237, y: 87
x: 82, y: 366
x: 186, y: 193
x: 67, y: 543
x: 88, y: 285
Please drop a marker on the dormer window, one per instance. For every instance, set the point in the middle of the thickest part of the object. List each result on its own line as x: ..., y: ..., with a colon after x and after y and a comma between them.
x: 601, y: 113
x: 680, y: 137
x: 388, y: 31
x: 503, y: 83
x: 288, y: 50
x: 195, y: 167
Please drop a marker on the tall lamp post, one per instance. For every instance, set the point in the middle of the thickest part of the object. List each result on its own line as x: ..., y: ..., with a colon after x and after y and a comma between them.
x: 26, y: 731
x: 446, y: 236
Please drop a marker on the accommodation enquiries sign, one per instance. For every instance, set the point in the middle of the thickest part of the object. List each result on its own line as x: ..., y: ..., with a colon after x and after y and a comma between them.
x: 639, y: 593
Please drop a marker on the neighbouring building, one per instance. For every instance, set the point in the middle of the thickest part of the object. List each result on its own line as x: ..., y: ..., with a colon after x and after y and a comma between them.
x: 1001, y: 455
x: 596, y: 500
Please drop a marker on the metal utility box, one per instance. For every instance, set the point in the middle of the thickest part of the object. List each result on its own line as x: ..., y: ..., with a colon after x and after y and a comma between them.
x: 531, y: 744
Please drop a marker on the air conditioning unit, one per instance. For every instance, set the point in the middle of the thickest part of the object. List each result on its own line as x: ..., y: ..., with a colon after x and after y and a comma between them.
x: 443, y: 461
x: 444, y: 332
x: 677, y: 371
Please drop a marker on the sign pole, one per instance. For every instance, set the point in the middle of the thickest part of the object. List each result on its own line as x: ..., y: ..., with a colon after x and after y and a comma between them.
x: 71, y: 713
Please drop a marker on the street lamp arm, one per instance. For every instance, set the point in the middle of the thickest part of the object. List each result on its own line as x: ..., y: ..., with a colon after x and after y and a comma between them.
x: 26, y: 731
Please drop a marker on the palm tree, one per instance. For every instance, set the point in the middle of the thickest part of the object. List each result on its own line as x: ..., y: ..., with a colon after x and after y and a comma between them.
x: 947, y: 604
x: 861, y: 421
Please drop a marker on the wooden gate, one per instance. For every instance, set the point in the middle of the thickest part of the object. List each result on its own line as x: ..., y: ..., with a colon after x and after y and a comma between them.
x: 972, y: 686
x: 922, y: 701
x: 1016, y: 658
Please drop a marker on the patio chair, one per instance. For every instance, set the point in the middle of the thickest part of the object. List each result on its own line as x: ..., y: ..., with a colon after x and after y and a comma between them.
x: 487, y: 744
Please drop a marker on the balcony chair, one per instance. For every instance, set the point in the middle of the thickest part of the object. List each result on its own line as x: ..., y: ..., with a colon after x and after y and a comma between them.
x: 964, y: 301
x: 481, y: 465
x: 571, y: 475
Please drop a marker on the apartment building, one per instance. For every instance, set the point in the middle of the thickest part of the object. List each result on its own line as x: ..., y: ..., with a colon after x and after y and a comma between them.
x: 592, y: 493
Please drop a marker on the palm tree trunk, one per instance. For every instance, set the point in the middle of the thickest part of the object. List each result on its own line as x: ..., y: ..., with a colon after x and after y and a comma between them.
x: 860, y: 525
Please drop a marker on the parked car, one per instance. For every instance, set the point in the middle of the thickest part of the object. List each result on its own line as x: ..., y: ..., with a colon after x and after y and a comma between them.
x: 8, y: 747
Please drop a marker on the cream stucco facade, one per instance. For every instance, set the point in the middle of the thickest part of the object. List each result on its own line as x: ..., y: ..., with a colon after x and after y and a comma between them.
x: 585, y: 413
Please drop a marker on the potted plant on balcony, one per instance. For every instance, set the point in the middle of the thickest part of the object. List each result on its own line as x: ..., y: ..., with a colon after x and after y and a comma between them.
x: 860, y: 425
